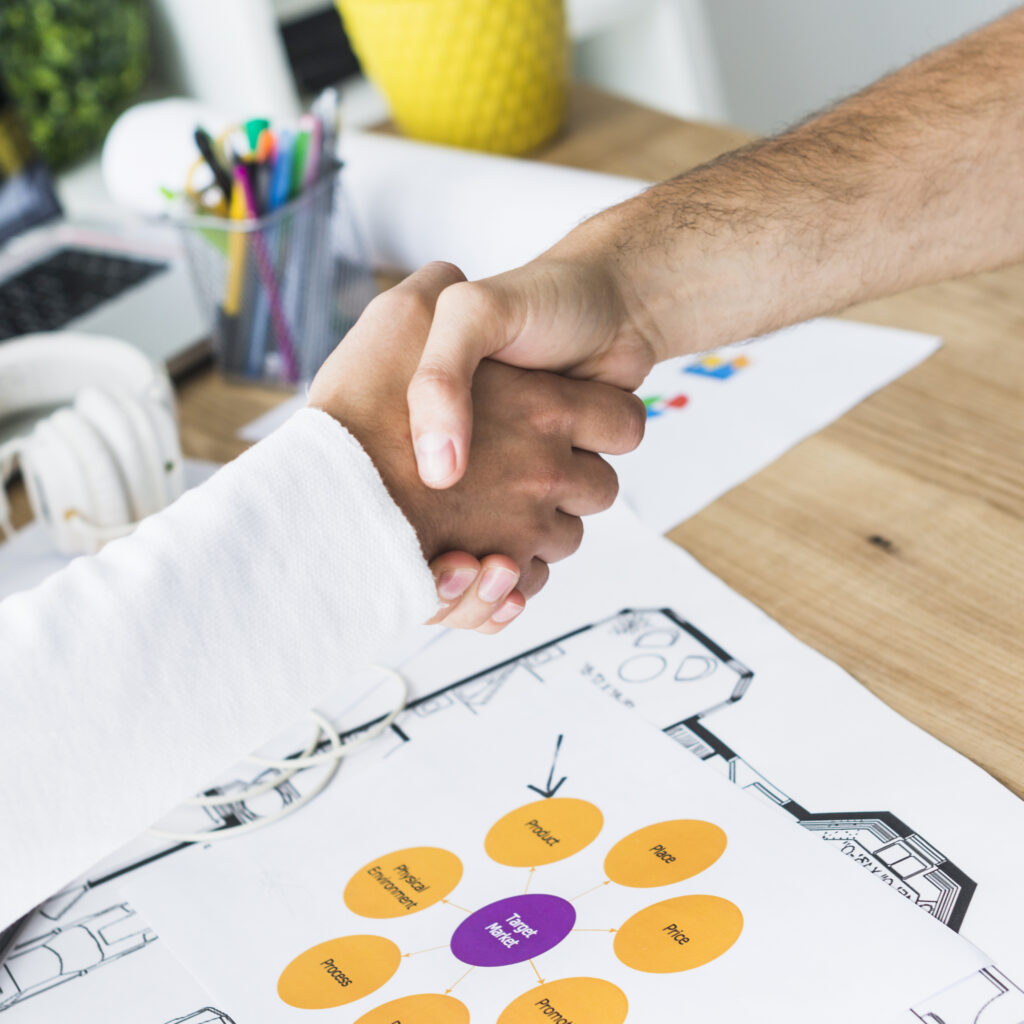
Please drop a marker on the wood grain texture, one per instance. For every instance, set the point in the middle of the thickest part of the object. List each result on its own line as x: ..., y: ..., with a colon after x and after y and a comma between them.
x: 930, y: 614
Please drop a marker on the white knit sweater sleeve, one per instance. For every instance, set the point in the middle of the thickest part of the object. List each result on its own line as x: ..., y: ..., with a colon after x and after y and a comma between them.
x: 129, y: 679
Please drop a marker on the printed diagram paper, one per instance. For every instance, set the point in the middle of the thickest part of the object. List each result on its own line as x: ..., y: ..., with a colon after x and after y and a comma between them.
x: 448, y: 882
x: 715, y: 420
x: 799, y: 725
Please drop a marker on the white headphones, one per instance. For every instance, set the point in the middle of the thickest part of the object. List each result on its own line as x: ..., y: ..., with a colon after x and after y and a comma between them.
x: 95, y: 468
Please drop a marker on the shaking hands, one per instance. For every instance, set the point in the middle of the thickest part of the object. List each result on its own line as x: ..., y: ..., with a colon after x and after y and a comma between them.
x: 525, y: 467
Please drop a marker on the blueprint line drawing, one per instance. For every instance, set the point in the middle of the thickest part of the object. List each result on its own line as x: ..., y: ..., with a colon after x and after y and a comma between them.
x: 205, y: 1015
x: 988, y: 997
x: 622, y: 657
x: 879, y: 841
x: 552, y: 787
x: 42, y: 962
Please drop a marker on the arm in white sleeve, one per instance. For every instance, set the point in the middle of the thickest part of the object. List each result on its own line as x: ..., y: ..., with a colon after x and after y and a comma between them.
x: 129, y: 679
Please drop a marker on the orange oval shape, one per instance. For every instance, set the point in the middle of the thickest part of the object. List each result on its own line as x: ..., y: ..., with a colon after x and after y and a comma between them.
x: 574, y: 999
x: 543, y: 832
x: 664, y: 854
x: 338, y: 971
x: 425, y: 1009
x: 678, y: 934
x: 404, y: 882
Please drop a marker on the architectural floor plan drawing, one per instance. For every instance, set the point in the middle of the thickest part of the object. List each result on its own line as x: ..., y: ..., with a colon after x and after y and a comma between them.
x: 698, y: 662
x: 204, y: 1015
x: 70, y: 951
x: 878, y: 840
x: 636, y: 649
x: 987, y: 997
x: 627, y: 658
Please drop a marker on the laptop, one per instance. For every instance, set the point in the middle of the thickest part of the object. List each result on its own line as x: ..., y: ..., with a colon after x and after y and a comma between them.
x: 128, y: 282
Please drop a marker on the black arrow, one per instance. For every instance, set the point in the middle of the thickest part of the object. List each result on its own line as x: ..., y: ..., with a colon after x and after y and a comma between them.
x: 552, y: 787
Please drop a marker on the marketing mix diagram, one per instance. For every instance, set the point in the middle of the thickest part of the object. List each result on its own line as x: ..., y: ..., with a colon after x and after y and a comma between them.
x: 444, y: 888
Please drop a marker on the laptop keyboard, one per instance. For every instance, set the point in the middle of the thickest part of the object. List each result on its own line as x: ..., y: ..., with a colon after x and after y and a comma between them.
x: 68, y: 284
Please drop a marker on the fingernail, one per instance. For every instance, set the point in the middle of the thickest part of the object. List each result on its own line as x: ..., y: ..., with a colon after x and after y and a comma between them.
x: 435, y: 457
x: 495, y: 584
x: 507, y: 612
x: 454, y: 583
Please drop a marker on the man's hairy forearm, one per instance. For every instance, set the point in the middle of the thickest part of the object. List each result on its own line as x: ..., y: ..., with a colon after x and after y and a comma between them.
x: 917, y: 178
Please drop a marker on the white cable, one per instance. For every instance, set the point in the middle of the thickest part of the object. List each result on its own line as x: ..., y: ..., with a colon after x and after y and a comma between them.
x: 290, y: 767
x: 93, y: 531
x: 251, y: 826
x: 371, y: 734
x: 223, y: 799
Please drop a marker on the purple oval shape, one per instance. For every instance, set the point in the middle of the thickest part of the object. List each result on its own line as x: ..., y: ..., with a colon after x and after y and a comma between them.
x: 513, y: 930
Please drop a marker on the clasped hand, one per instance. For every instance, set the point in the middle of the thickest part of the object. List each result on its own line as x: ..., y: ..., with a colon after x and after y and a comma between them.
x: 532, y: 471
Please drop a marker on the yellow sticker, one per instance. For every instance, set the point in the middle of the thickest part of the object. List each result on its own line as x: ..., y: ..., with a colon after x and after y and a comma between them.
x: 663, y: 854
x: 425, y: 1009
x: 592, y: 1000
x: 404, y: 882
x: 543, y: 832
x: 338, y: 971
x: 678, y: 934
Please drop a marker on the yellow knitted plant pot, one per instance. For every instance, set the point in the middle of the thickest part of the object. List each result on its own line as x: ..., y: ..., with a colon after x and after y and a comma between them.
x: 484, y: 74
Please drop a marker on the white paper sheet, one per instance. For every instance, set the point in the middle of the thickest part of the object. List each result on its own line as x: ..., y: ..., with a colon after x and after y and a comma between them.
x: 240, y: 915
x: 803, y: 728
x: 797, y: 730
x: 793, y: 724
x: 715, y: 420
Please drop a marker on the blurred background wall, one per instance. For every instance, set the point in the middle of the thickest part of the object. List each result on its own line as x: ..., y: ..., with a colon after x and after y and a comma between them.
x: 760, y: 64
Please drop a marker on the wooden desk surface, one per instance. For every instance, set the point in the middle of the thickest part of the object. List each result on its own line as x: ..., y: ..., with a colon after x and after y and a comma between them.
x: 931, y: 620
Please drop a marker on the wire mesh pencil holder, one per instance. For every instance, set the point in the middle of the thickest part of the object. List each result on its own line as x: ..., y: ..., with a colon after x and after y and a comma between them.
x: 283, y: 289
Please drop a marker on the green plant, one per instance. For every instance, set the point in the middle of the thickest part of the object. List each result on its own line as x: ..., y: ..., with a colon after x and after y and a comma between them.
x: 71, y: 66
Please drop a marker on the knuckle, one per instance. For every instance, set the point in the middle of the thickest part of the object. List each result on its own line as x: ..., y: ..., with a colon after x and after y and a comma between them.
x: 399, y: 305
x: 540, y: 574
x: 541, y: 531
x: 470, y: 300
x: 609, y: 490
x: 534, y: 577
x: 633, y: 424
x: 410, y: 303
x: 443, y: 268
x: 548, y: 415
x: 378, y: 306
x: 574, y: 536
x: 546, y: 481
x: 429, y: 377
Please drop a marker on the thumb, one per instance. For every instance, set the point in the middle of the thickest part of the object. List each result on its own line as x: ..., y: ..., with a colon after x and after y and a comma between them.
x: 465, y: 330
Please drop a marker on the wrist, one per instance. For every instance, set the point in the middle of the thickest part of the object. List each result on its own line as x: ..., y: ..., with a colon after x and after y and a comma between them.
x: 362, y: 394
x: 595, y: 258
x: 633, y: 253
x: 389, y: 448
